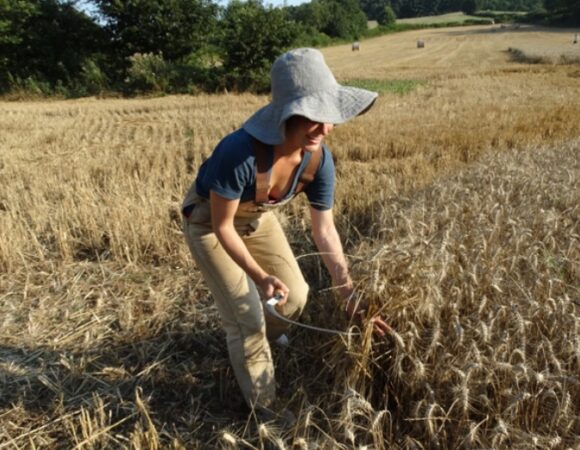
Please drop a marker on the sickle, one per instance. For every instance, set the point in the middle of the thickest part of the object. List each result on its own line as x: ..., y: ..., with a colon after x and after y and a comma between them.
x: 271, y: 308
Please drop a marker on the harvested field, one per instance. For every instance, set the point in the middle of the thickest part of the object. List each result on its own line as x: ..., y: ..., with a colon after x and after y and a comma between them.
x: 458, y: 207
x: 448, y: 52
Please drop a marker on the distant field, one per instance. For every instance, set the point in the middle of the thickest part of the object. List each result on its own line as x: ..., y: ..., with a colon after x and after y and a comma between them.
x: 443, y: 18
x: 458, y: 204
x: 447, y: 52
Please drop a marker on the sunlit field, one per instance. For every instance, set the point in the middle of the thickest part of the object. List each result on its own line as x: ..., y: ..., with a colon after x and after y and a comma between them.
x: 479, y: 52
x: 458, y: 204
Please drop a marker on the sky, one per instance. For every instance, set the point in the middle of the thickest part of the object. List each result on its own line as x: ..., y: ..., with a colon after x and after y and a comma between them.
x: 287, y: 2
x: 86, y: 6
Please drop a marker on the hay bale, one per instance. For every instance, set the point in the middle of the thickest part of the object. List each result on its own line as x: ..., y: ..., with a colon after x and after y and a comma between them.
x: 420, y: 43
x: 355, y: 46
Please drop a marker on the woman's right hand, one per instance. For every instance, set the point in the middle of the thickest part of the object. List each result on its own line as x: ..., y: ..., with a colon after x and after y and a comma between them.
x: 271, y: 285
x: 357, y: 310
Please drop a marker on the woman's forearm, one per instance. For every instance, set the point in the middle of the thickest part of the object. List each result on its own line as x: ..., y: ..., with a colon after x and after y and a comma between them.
x: 223, y: 212
x: 330, y: 248
x: 235, y: 247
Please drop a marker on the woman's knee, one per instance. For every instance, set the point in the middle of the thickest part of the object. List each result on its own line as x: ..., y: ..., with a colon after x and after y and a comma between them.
x: 248, y: 320
x: 297, y: 298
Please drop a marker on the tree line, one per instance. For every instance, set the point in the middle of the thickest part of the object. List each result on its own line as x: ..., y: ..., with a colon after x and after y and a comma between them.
x: 183, y: 46
x: 419, y: 8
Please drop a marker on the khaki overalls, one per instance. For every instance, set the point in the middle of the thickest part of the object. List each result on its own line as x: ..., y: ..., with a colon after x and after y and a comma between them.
x: 249, y: 327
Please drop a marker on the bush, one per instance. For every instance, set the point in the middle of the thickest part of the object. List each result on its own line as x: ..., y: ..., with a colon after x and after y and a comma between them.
x: 92, y: 79
x: 148, y: 72
x: 538, y: 15
x: 28, y: 88
x: 387, y: 17
x: 310, y: 37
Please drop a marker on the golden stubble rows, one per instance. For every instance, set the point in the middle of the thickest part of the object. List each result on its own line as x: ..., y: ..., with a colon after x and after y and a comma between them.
x: 86, y: 177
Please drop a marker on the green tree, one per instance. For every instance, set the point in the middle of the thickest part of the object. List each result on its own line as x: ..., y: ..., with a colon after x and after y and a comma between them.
x: 47, y: 40
x: 567, y: 10
x: 252, y: 37
x: 387, y: 17
x: 374, y: 8
x: 470, y: 6
x: 175, y: 28
x: 553, y: 5
x: 314, y: 15
x: 396, y: 5
x: 446, y: 6
x: 14, y: 16
x: 428, y: 7
x: 336, y: 18
x: 409, y: 8
x: 414, y: 8
x: 347, y: 20
x: 60, y: 38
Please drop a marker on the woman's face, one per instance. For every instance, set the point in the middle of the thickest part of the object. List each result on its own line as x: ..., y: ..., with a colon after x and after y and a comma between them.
x: 305, y: 133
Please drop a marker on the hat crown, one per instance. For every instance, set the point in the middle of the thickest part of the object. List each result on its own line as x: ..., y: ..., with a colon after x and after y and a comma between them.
x: 298, y: 73
x: 303, y: 85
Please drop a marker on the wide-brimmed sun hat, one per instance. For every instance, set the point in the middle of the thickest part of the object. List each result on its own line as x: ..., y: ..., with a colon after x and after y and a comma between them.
x: 303, y: 85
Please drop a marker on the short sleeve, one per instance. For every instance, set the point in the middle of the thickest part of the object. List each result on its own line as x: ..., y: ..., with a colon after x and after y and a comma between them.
x: 320, y: 191
x: 229, y: 171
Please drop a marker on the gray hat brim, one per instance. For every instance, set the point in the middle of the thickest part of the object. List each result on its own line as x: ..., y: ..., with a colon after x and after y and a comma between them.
x: 334, y: 106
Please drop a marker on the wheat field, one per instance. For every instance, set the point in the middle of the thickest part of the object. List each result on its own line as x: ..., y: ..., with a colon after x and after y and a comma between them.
x: 458, y: 205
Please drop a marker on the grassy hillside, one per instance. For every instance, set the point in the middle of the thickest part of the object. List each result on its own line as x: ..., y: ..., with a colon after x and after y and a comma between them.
x: 457, y: 201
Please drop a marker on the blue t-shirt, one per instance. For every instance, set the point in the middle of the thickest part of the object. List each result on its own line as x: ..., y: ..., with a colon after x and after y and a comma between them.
x: 230, y: 172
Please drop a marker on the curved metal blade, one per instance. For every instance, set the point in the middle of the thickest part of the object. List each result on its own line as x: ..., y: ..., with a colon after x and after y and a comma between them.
x: 271, y: 308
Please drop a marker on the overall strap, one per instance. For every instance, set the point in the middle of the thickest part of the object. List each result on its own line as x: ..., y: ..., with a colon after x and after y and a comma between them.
x: 262, y: 172
x: 310, y: 172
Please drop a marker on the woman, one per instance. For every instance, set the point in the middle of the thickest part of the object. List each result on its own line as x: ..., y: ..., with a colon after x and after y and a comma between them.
x: 236, y: 240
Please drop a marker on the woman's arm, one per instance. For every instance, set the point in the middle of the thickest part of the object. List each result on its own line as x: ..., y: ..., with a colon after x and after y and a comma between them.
x: 222, y: 217
x: 328, y: 243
